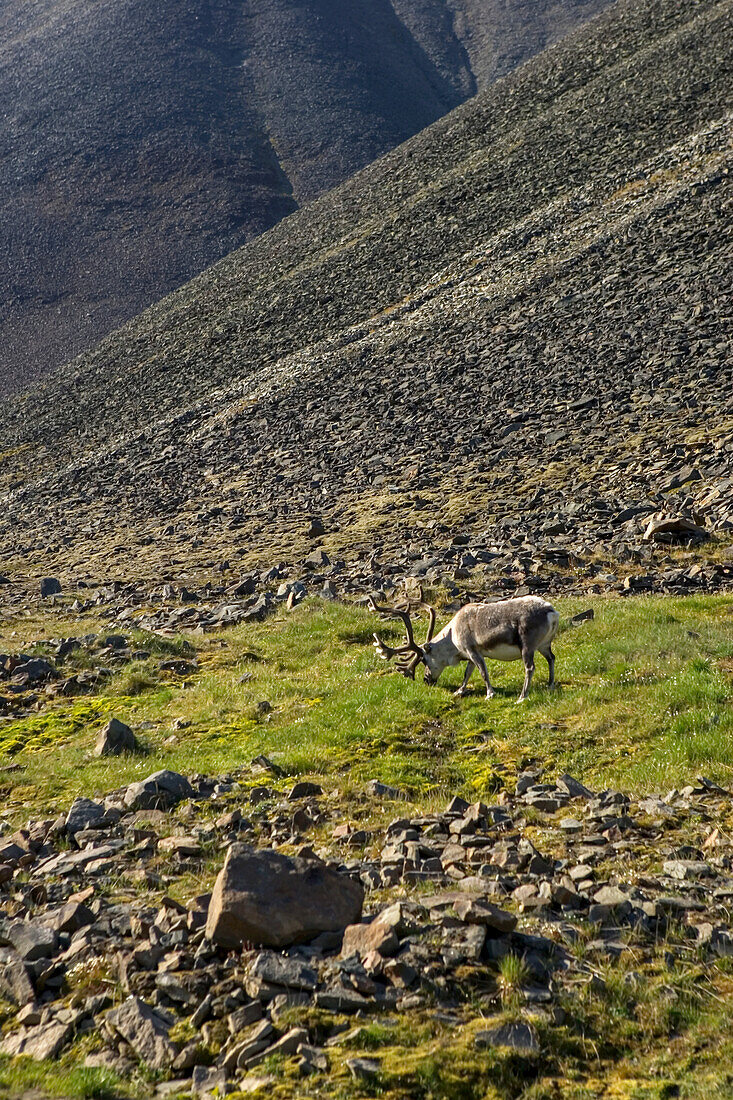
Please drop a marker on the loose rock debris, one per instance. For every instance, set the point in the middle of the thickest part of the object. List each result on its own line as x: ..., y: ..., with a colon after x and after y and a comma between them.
x: 459, y: 891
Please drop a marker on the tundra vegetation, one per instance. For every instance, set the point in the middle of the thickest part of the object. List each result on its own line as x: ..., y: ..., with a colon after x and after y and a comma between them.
x: 643, y: 706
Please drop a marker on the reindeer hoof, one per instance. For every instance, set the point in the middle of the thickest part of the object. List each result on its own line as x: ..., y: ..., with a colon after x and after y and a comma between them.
x: 458, y: 693
x: 521, y: 699
x: 490, y: 693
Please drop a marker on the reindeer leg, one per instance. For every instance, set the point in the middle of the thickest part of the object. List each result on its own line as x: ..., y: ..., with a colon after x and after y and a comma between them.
x: 480, y: 664
x: 470, y: 666
x: 550, y: 658
x: 528, y: 658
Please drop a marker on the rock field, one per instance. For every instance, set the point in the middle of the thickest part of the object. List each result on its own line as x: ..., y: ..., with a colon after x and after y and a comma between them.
x: 494, y: 362
x: 446, y: 897
x: 514, y: 326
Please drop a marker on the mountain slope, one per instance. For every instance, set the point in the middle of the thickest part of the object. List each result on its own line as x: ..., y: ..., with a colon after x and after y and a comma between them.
x: 514, y: 322
x: 141, y: 143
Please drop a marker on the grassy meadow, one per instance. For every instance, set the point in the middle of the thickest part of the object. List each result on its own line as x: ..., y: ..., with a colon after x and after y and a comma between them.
x: 643, y: 703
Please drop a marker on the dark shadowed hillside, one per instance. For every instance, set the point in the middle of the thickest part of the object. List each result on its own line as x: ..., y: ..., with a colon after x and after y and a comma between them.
x: 141, y: 142
x: 514, y: 324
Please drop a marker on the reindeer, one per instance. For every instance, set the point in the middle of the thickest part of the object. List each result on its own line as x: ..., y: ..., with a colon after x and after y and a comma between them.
x: 503, y: 631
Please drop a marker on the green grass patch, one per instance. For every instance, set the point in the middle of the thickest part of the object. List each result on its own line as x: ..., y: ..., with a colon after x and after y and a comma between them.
x: 644, y: 703
x: 21, y: 1076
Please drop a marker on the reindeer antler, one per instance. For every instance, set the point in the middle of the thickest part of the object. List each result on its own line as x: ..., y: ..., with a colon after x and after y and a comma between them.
x: 420, y: 605
x: 410, y: 654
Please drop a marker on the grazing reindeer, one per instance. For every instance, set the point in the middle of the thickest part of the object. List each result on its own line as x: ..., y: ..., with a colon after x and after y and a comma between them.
x: 504, y: 631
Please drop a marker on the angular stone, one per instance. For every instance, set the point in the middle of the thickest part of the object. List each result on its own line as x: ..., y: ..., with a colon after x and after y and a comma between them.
x: 611, y: 896
x: 364, y: 1069
x: 69, y: 918
x: 268, y: 898
x: 35, y: 670
x: 382, y: 790
x: 208, y: 1081
x: 280, y: 970
x: 687, y: 868
x: 50, y: 586
x: 517, y: 1035
x: 573, y: 787
x: 182, y: 846
x: 669, y: 527
x: 286, y: 1046
x: 115, y: 739
x: 159, y: 791
x: 145, y: 1031
x: 304, y: 790
x: 476, y: 911
x: 11, y: 853
x: 83, y: 814
x: 41, y: 1043
x: 15, y: 981
x: 32, y: 940
x: 362, y: 939
x: 400, y: 916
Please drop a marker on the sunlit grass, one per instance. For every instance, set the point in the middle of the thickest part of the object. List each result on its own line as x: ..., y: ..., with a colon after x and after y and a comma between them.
x: 643, y: 702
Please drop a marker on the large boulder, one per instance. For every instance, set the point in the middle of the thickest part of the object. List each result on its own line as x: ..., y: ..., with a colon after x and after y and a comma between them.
x: 267, y: 898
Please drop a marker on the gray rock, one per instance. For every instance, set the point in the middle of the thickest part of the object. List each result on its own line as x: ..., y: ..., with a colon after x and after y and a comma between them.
x: 318, y: 559
x: 476, y: 911
x: 573, y: 787
x: 687, y: 868
x: 286, y: 1046
x: 280, y: 970
x: 612, y: 897
x: 382, y: 790
x: 50, y: 586
x: 208, y: 1081
x: 83, y: 814
x: 670, y: 527
x: 35, y: 670
x: 69, y: 918
x: 15, y: 982
x: 544, y: 803
x: 32, y: 940
x: 364, y: 1069
x: 304, y: 789
x: 115, y: 739
x: 159, y: 791
x: 362, y: 939
x: 145, y: 1031
x: 518, y: 1035
x: 271, y: 899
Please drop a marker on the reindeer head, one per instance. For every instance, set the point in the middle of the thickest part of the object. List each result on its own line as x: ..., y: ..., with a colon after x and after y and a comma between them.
x: 411, y: 654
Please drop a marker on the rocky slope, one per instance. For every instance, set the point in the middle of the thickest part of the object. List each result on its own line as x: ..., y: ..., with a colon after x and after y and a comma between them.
x: 503, y: 945
x: 140, y: 144
x: 514, y: 325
